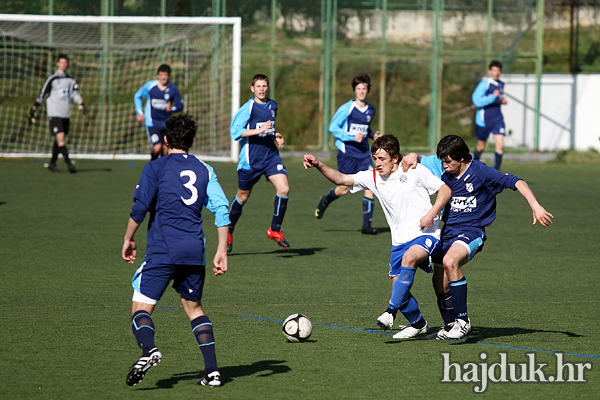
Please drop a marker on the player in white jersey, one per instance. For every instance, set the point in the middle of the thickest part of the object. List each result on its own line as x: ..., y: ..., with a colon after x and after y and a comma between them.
x: 414, y: 223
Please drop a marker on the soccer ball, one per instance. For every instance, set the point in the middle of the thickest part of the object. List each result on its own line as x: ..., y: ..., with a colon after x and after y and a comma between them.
x: 296, y: 328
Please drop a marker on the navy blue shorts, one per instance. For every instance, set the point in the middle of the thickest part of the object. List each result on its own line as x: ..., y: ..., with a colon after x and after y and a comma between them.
x: 151, y: 281
x: 350, y: 165
x: 471, y: 238
x: 156, y: 135
x: 247, y: 178
x: 58, y: 125
x: 483, y: 133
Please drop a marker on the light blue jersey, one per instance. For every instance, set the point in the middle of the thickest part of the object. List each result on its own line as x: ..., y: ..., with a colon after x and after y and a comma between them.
x: 348, y: 122
x: 487, y: 103
x: 156, y: 104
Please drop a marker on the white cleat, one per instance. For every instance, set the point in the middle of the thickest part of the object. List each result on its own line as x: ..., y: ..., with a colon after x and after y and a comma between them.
x: 460, y: 329
x: 410, y: 332
x: 385, y: 321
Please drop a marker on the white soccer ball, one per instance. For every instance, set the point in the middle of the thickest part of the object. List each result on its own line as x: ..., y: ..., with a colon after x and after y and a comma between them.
x: 297, y: 328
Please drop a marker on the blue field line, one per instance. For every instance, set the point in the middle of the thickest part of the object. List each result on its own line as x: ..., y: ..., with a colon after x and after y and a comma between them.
x: 391, y: 333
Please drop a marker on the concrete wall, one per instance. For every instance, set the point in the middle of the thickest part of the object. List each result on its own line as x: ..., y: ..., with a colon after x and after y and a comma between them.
x: 570, y: 111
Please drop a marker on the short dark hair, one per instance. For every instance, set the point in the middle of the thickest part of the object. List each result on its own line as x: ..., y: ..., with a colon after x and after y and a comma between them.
x: 495, y: 63
x: 362, y: 78
x: 61, y: 56
x: 259, y: 77
x: 454, y: 147
x: 164, y: 68
x: 181, y: 131
x: 389, y: 143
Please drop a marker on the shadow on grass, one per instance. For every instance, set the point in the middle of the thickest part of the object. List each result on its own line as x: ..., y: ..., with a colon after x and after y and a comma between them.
x: 228, y: 374
x: 2, y: 203
x: 286, y: 253
x: 480, y: 333
x: 84, y: 170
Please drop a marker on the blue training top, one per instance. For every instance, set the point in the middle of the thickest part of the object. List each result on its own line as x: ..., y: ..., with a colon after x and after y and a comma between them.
x: 156, y: 106
x: 257, y: 151
x: 487, y: 103
x: 174, y: 188
x: 348, y: 122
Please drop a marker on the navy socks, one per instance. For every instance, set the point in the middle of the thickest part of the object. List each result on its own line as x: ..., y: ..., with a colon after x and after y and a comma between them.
x: 143, y: 329
x: 203, y: 332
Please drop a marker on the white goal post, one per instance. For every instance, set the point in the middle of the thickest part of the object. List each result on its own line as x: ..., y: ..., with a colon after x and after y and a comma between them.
x: 111, y: 58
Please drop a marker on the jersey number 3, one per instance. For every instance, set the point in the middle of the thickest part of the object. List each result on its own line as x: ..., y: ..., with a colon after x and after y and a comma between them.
x: 190, y: 186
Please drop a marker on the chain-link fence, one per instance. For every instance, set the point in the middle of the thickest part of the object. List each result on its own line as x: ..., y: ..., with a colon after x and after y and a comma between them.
x: 424, y: 57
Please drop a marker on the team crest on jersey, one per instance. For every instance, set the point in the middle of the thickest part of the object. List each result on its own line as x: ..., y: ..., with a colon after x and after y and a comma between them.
x: 368, y: 118
x: 403, y: 178
x: 469, y: 187
x: 273, y: 113
x: 167, y: 96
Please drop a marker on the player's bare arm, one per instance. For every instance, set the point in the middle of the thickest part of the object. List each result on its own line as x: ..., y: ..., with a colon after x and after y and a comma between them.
x: 129, y: 251
x: 443, y: 195
x: 539, y: 213
x: 410, y: 161
x: 333, y: 175
x: 251, y: 132
x: 220, y: 259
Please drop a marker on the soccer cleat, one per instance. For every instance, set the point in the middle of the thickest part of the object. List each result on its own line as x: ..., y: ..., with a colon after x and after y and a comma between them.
x: 411, y: 332
x: 71, y: 168
x: 278, y: 237
x: 229, y: 242
x: 53, y: 168
x: 139, y: 369
x: 213, y: 379
x: 460, y: 329
x: 368, y: 230
x: 385, y: 321
x: 442, y: 333
x: 321, y: 209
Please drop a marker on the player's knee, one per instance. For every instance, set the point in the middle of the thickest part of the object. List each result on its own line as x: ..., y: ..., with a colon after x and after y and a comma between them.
x: 242, y: 195
x: 342, y: 190
x: 284, y: 191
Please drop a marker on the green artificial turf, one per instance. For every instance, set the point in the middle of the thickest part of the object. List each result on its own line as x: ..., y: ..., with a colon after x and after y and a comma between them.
x: 65, y: 293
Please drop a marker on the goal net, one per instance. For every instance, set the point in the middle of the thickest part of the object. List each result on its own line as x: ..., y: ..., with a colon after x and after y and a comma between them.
x: 111, y: 58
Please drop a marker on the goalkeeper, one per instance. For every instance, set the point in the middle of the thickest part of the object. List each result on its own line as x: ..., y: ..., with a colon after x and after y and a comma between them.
x: 59, y: 89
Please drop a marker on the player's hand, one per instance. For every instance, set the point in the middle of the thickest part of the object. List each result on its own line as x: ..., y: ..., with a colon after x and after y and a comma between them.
x: 541, y: 215
x: 169, y: 106
x: 409, y: 161
x: 266, y: 126
x: 279, y: 139
x: 129, y: 251
x: 358, y: 137
x: 426, y: 221
x: 31, y: 115
x: 220, y: 263
x: 310, y: 161
x: 376, y: 135
x: 496, y: 93
x: 141, y: 117
x: 83, y: 108
x: 503, y: 101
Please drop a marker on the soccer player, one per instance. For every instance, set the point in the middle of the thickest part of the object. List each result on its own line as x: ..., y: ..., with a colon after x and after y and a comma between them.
x: 414, y: 223
x: 471, y: 209
x: 174, y: 189
x: 351, y: 127
x: 59, y: 90
x: 163, y: 99
x: 488, y: 97
x: 254, y: 126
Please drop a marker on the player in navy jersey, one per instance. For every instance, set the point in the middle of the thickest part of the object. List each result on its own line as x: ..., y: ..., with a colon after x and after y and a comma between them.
x: 163, y: 99
x: 174, y: 189
x: 470, y: 210
x: 351, y: 125
x: 60, y: 89
x: 254, y: 126
x: 488, y: 97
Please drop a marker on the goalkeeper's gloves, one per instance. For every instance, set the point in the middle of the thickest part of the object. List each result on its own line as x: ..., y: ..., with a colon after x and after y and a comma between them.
x: 83, y: 108
x: 31, y: 115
